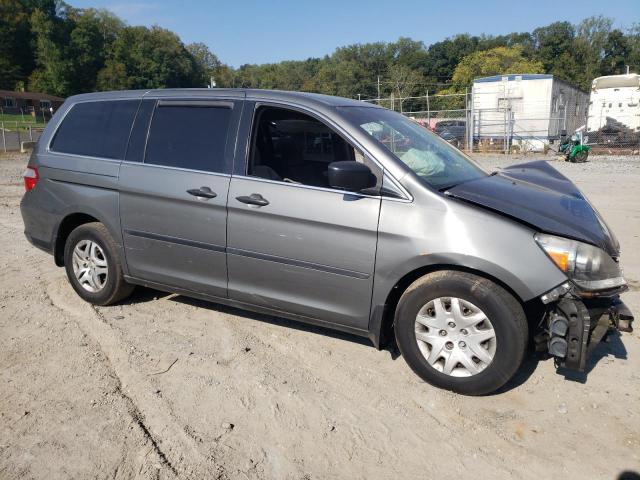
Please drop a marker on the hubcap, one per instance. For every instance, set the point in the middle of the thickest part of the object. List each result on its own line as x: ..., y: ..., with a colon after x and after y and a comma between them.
x: 455, y: 337
x: 90, y: 266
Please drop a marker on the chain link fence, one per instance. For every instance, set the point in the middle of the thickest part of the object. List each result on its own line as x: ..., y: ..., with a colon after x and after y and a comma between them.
x: 472, y: 121
x: 15, y: 133
x: 17, y: 126
x: 493, y: 122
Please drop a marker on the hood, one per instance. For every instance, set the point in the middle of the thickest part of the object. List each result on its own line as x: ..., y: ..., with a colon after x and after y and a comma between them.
x: 539, y: 195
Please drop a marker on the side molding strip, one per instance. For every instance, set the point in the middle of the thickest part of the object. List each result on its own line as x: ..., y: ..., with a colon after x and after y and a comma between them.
x: 179, y: 241
x: 297, y: 263
x: 250, y: 254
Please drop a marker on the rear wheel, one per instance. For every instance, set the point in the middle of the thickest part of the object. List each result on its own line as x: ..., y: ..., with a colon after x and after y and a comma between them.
x: 461, y: 332
x: 580, y: 157
x: 93, y: 266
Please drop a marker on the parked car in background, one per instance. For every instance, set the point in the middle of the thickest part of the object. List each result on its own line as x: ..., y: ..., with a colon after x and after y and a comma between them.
x: 452, y: 131
x: 327, y: 211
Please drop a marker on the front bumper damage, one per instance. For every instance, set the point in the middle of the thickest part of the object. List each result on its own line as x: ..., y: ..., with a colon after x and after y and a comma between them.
x: 574, y: 324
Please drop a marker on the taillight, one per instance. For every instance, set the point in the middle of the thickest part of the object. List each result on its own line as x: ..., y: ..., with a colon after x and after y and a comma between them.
x: 31, y: 178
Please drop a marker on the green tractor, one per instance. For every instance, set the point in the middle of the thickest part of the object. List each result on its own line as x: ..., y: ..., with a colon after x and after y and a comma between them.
x: 575, y: 149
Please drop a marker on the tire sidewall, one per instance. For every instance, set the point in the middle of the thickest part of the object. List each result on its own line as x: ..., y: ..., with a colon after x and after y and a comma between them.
x: 510, y: 340
x: 85, y: 232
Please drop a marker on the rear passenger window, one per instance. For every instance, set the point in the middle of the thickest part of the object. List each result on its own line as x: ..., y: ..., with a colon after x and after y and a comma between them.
x: 96, y: 129
x: 189, y: 136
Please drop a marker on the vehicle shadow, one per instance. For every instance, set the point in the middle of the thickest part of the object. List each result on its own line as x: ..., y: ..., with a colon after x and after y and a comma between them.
x: 629, y: 475
x: 611, y: 345
x: 143, y: 294
x: 529, y: 365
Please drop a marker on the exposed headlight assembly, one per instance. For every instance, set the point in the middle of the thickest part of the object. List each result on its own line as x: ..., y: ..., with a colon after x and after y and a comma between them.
x: 589, y: 267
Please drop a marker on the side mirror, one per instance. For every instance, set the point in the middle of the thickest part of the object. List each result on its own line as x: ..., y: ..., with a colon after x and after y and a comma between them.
x: 351, y: 176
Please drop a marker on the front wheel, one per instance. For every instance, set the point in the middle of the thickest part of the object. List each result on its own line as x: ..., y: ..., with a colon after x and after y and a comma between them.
x: 461, y: 332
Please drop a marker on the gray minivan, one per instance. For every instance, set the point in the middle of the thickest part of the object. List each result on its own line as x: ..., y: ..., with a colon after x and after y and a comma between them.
x: 328, y: 211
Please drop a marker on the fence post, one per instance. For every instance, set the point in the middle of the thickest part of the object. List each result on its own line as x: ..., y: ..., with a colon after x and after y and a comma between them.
x: 479, y: 127
x: 506, y: 116
x: 466, y: 117
x: 428, y: 111
x: 470, y: 123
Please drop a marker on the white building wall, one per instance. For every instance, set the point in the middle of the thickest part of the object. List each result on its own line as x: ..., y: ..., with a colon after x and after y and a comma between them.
x: 529, y: 110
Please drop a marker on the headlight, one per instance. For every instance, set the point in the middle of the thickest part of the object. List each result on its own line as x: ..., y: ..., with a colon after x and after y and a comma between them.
x: 591, y: 268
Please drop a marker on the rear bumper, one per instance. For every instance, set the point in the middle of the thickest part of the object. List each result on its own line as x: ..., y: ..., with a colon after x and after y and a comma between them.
x: 39, y: 224
x: 45, y: 246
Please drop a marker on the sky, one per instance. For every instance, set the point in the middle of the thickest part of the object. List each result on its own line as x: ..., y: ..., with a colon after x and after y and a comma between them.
x: 254, y: 31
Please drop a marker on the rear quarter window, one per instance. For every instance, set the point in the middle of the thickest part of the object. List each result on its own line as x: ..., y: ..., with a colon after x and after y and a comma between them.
x: 96, y: 129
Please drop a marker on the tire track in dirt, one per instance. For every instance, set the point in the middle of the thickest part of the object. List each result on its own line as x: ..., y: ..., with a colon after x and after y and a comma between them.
x: 174, y: 448
x: 59, y: 337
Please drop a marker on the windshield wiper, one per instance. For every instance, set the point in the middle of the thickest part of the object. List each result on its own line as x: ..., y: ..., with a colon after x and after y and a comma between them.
x: 444, y: 189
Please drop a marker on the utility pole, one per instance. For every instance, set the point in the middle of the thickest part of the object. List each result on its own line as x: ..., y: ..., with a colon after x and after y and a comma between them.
x: 379, y: 87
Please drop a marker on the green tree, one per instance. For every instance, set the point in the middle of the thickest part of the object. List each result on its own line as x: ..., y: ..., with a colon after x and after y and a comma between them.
x: 53, y: 67
x: 149, y: 58
x: 616, y: 53
x: 555, y: 48
x: 90, y: 38
x: 207, y: 61
x: 589, y: 44
x: 444, y: 56
x: 404, y: 80
x: 113, y: 77
x: 497, y: 61
x: 633, y: 39
x: 16, y: 55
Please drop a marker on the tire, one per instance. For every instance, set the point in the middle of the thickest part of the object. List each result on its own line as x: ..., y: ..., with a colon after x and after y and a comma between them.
x: 108, y: 285
x: 476, y: 298
x: 580, y: 157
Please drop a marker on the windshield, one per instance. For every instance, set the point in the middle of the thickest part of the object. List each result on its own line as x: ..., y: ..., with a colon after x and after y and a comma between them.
x: 431, y: 158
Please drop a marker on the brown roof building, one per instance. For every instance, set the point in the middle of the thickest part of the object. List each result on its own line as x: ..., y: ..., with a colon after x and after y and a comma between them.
x: 28, y: 102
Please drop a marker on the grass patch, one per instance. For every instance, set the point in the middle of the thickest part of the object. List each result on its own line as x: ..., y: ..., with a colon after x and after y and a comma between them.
x: 12, y: 121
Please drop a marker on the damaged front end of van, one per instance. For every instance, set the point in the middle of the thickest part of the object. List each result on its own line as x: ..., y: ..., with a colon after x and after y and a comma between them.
x: 578, y: 313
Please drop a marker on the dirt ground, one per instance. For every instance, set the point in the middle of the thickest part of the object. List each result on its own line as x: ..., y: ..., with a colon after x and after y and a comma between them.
x: 168, y: 387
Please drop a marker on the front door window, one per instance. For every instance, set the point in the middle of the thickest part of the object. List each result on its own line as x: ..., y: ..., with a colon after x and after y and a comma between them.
x: 292, y: 147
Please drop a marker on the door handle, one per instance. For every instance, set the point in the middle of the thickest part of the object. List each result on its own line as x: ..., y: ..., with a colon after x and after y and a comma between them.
x: 202, y: 192
x: 253, y: 199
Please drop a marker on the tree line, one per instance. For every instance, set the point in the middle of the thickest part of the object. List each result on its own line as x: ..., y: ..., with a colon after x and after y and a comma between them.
x: 49, y: 46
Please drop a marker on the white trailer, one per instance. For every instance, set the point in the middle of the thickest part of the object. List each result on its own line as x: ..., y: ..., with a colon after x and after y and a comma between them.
x: 615, y: 104
x: 528, y: 110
